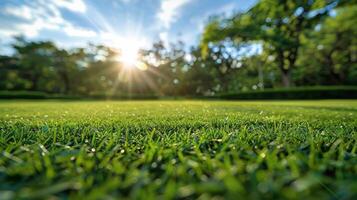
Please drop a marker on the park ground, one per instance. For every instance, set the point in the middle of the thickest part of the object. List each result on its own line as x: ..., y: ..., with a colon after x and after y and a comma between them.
x: 178, y: 149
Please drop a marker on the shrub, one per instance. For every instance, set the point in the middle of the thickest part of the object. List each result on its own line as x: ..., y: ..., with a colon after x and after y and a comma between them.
x: 320, y: 92
x: 22, y: 95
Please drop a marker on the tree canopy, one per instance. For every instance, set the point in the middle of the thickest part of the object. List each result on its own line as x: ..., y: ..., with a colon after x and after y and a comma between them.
x: 278, y: 25
x: 275, y: 43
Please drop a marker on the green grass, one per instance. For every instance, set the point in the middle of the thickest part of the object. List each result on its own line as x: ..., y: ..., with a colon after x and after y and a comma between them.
x: 178, y: 149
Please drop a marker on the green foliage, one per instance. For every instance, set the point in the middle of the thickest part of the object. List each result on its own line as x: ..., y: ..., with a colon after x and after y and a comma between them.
x: 297, y: 93
x: 319, y: 92
x: 273, y: 44
x: 186, y: 149
x: 329, y: 54
x: 22, y: 95
x: 279, y: 26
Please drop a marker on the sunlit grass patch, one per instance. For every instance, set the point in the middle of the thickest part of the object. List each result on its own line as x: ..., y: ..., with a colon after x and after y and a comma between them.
x: 178, y: 149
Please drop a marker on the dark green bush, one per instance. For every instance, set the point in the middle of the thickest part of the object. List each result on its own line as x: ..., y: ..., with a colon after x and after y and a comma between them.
x: 321, y: 92
x: 42, y: 95
x: 123, y: 97
x: 22, y: 95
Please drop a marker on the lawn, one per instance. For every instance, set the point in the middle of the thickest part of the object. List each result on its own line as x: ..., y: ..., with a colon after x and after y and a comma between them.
x: 178, y: 149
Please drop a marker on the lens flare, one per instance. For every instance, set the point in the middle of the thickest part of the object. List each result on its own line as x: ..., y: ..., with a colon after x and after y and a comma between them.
x: 129, y: 53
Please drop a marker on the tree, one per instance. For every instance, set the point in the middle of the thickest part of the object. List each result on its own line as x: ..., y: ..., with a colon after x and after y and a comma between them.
x: 35, y: 59
x: 67, y: 65
x: 100, y: 73
x: 277, y: 24
x: 166, y: 68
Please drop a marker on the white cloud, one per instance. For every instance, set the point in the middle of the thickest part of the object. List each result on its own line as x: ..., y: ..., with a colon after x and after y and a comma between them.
x: 7, y: 33
x: 24, y: 12
x: 169, y: 11
x: 73, y: 5
x: 41, y: 15
x: 79, y: 32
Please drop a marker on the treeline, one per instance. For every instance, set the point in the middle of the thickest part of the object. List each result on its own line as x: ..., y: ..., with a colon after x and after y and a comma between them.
x: 309, y: 42
x: 275, y: 44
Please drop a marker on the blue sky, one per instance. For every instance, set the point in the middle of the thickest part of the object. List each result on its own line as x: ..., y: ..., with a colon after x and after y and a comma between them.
x: 71, y: 23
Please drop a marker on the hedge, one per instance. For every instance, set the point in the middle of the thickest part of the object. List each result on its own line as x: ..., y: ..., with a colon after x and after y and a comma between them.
x: 327, y: 92
x: 22, y: 95
x: 43, y: 95
x: 321, y: 92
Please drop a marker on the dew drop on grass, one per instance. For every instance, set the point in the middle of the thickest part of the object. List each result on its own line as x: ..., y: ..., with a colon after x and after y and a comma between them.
x: 154, y: 165
x: 24, y: 148
x: 173, y: 161
x: 262, y: 155
x: 218, y: 140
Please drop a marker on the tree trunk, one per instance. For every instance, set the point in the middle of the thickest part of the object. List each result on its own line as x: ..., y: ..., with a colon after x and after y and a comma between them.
x: 34, y: 81
x: 286, y: 78
x: 65, y: 82
x: 285, y: 73
x: 333, y: 77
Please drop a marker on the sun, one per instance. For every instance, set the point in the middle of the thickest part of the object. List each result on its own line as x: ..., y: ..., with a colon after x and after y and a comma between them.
x: 129, y: 53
